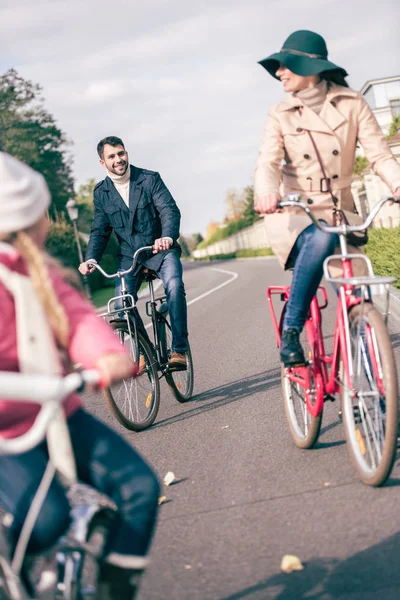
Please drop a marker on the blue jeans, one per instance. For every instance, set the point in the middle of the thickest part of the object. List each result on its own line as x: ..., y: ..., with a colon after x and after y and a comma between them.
x: 106, y: 462
x: 310, y: 250
x: 170, y: 273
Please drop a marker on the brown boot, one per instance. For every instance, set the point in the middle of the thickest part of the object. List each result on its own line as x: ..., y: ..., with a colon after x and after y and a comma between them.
x: 141, y: 365
x: 177, y: 362
x: 116, y: 583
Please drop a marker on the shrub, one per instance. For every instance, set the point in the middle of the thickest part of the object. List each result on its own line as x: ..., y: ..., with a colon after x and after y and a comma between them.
x: 383, y: 249
x: 62, y: 245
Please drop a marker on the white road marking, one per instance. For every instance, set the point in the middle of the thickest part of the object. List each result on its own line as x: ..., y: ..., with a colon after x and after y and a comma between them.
x: 234, y: 276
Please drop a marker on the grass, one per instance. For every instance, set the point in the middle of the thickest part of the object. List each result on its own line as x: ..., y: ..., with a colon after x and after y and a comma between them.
x: 240, y: 254
x: 102, y: 296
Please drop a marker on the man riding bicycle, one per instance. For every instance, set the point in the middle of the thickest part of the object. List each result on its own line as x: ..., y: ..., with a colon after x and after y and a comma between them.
x: 137, y: 205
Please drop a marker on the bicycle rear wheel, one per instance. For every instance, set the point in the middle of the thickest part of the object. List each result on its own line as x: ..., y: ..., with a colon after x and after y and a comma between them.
x: 135, y: 401
x: 179, y: 382
x: 303, y: 426
x: 370, y: 409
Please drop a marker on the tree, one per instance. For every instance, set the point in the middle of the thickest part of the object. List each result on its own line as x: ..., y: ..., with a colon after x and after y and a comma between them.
x: 248, y: 197
x: 360, y: 164
x: 212, y: 229
x: 197, y: 238
x: 84, y: 198
x: 394, y: 127
x: 235, y: 205
x: 30, y: 133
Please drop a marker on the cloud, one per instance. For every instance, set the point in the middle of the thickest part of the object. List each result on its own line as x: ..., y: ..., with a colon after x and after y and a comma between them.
x: 179, y: 81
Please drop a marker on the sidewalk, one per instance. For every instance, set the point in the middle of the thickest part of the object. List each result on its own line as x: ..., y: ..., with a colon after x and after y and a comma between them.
x: 394, y: 304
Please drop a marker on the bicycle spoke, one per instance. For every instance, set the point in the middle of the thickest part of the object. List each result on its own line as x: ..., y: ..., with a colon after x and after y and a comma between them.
x: 370, y: 409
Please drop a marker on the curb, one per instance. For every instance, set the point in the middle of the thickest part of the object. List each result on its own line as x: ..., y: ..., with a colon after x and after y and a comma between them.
x: 394, y: 303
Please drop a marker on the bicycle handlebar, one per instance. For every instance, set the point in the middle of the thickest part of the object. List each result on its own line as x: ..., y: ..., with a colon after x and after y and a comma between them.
x: 294, y: 200
x: 49, y: 391
x: 121, y: 273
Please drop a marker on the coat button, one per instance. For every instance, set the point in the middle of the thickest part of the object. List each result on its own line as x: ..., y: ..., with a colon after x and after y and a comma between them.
x: 307, y: 156
x: 297, y: 108
x: 310, y: 201
x: 335, y: 200
x: 335, y: 176
x: 335, y: 152
x: 299, y: 129
x: 333, y: 103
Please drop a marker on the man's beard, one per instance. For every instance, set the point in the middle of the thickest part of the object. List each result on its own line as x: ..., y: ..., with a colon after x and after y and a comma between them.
x: 120, y: 174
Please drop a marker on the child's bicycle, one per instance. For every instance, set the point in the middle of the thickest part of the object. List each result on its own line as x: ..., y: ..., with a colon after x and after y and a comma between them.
x: 135, y: 402
x: 362, y: 364
x: 67, y: 564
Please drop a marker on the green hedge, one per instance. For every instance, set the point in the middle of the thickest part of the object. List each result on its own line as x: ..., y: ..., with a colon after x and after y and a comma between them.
x: 229, y: 229
x: 383, y: 249
x: 240, y: 254
x: 61, y: 244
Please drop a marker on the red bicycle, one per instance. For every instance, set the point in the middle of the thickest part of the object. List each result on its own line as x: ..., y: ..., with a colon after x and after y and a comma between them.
x: 361, y: 367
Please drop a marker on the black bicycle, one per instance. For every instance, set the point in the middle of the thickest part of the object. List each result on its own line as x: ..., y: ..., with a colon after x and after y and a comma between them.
x: 135, y: 402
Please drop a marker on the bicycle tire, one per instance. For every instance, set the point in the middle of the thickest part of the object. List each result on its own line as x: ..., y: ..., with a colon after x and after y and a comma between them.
x: 379, y: 374
x: 144, y: 389
x: 305, y: 434
x: 180, y: 383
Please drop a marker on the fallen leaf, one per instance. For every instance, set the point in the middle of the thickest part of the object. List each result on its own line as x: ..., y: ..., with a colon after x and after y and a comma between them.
x: 188, y: 566
x: 225, y: 427
x: 326, y: 483
x: 169, y: 478
x: 291, y: 563
x: 162, y: 499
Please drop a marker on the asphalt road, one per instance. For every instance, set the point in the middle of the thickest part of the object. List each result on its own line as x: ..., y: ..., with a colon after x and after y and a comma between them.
x: 246, y: 495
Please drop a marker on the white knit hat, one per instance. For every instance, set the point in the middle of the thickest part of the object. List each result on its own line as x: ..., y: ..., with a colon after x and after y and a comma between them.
x: 24, y: 195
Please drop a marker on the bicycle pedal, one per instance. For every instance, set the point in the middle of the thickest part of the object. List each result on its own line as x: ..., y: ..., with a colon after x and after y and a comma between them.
x: 328, y: 397
x: 356, y: 415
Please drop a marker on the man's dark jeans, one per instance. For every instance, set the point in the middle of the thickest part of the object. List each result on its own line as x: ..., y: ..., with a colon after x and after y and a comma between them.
x: 312, y: 247
x: 170, y: 273
x: 105, y: 461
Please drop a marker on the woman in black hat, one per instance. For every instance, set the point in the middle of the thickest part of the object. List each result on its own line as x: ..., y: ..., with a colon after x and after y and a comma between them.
x: 320, y: 115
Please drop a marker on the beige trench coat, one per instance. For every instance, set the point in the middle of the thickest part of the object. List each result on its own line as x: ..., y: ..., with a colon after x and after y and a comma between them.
x: 287, y: 162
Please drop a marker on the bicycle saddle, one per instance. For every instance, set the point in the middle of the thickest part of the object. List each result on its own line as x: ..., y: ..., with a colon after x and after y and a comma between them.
x: 148, y: 274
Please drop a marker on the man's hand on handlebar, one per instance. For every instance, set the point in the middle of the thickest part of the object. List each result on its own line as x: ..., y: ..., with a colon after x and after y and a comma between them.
x: 267, y: 204
x: 163, y: 243
x: 86, y: 267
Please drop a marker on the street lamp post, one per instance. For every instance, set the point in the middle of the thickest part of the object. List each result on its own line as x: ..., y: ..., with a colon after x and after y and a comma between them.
x: 73, y: 211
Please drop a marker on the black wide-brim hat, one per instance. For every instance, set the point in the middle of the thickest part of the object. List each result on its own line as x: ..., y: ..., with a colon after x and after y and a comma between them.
x: 304, y: 53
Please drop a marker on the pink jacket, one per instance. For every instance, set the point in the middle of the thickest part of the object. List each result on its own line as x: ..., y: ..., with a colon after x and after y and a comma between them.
x: 90, y: 338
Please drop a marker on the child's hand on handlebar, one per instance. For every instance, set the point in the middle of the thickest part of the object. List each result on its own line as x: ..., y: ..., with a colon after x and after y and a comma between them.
x: 114, y: 367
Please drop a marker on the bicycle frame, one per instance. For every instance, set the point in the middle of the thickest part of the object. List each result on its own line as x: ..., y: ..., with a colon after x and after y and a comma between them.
x: 347, y: 298
x: 49, y: 392
x: 129, y: 307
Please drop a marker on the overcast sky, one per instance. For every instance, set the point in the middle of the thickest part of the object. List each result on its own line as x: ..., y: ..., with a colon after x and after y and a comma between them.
x: 178, y: 80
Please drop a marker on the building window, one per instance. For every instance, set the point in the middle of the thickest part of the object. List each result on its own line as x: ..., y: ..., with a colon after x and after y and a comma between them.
x: 395, y: 106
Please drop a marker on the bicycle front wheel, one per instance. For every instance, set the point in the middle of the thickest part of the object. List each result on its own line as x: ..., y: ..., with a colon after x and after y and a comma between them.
x: 370, y: 409
x: 179, y: 382
x: 304, y: 426
x: 135, y: 401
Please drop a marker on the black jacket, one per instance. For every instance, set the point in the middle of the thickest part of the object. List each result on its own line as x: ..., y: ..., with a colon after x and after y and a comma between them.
x: 152, y: 214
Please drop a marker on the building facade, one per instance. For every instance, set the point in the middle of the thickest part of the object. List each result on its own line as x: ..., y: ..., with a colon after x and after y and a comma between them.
x: 383, y: 96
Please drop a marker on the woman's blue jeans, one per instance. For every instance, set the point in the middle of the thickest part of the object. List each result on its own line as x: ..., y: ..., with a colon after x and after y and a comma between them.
x: 105, y: 461
x: 310, y: 250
